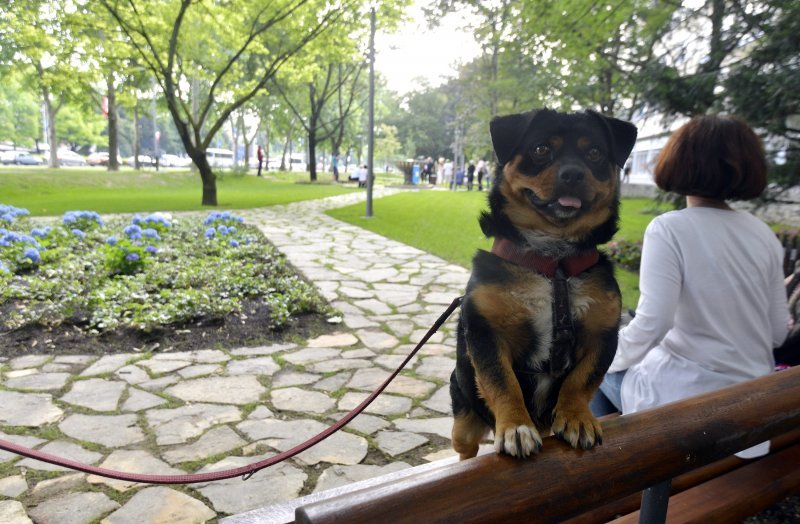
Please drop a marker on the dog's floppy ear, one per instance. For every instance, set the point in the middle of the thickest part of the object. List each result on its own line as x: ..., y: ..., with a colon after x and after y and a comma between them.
x: 507, y: 132
x: 622, y: 134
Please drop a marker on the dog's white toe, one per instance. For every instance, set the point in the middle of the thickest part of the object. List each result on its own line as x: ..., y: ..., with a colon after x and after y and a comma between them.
x: 519, y: 441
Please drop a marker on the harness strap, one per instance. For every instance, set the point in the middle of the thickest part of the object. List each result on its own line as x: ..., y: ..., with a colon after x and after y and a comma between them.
x: 563, y: 328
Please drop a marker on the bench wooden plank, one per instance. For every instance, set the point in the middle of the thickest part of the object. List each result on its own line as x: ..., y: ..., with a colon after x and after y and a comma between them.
x: 629, y: 504
x: 639, y: 450
x: 735, y: 495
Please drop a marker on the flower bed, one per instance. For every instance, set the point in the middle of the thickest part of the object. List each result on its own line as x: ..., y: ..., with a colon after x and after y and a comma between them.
x: 142, y: 274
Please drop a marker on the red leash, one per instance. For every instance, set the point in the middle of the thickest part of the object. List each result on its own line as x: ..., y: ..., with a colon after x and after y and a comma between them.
x: 245, y: 471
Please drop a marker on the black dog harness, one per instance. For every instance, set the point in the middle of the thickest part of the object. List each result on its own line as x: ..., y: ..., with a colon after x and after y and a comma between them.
x: 558, y: 271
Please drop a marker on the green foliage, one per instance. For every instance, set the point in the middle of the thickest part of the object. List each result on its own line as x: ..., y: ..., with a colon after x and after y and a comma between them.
x: 425, y: 123
x: 81, y: 125
x: 387, y: 147
x: 123, y: 257
x: 757, y: 86
x: 19, y: 110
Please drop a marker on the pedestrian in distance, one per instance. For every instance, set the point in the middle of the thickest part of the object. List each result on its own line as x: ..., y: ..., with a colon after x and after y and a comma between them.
x: 362, y: 176
x: 335, y: 166
x: 260, y: 157
x: 482, y: 171
x: 470, y: 175
x: 626, y: 174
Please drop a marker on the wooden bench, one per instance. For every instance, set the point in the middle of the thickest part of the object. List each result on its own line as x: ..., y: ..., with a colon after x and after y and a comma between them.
x: 689, y: 442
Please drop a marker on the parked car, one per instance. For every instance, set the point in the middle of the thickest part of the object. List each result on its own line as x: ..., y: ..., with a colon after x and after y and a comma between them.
x: 69, y: 158
x: 7, y: 157
x: 170, y: 160
x: 20, y: 158
x: 27, y: 159
x: 144, y: 161
x: 99, y: 158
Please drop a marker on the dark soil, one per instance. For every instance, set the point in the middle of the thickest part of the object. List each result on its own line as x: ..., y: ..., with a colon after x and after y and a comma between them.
x: 236, y: 330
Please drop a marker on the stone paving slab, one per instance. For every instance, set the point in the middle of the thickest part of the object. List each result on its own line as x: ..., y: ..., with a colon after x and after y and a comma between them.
x: 209, y: 409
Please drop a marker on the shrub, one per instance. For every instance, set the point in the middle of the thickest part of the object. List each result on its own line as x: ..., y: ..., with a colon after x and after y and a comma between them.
x: 625, y: 253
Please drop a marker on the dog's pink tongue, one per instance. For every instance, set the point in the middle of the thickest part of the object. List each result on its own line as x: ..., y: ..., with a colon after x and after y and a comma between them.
x: 570, y: 202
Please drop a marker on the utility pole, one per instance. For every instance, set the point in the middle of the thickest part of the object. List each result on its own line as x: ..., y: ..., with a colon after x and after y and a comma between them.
x: 371, y: 124
x: 156, y: 134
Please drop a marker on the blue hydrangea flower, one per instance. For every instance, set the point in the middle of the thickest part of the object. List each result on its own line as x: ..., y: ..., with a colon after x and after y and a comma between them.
x: 32, y: 254
x: 232, y: 230
x: 78, y: 233
x: 111, y: 241
x: 133, y: 257
x: 15, y: 238
x: 222, y: 216
x: 155, y: 219
x: 151, y: 233
x: 222, y: 230
x: 151, y: 249
x: 71, y: 217
x: 234, y: 243
x: 10, y: 213
x: 211, y: 232
x: 40, y: 232
x: 133, y: 232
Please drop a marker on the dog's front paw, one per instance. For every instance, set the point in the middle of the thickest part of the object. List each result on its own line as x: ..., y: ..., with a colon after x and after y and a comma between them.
x: 518, y: 441
x: 577, y: 428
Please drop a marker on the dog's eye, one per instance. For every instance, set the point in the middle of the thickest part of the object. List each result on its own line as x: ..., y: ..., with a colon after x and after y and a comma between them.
x: 594, y: 155
x: 541, y: 152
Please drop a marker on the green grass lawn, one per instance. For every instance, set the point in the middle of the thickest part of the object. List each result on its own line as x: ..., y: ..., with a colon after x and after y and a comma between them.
x: 446, y: 224
x: 440, y: 222
x: 46, y: 191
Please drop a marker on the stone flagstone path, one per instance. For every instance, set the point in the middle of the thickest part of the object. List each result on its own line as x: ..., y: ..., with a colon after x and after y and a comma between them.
x: 206, y: 410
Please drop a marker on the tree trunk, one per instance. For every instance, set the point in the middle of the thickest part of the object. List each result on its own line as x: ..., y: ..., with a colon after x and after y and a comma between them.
x: 137, y: 140
x: 113, y: 128
x: 235, y: 137
x: 207, y: 176
x: 50, y: 117
x: 286, y: 147
x: 312, y: 152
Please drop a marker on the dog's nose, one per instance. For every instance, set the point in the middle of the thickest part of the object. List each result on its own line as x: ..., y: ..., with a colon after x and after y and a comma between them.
x: 570, y: 175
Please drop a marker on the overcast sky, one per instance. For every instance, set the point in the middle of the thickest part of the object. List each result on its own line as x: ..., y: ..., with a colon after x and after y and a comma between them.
x: 416, y: 52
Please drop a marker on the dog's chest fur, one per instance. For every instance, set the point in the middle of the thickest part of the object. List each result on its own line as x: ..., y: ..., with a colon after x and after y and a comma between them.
x: 535, y: 298
x: 519, y: 303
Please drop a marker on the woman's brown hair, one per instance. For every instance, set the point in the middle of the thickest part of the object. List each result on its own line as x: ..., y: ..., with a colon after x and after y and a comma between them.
x: 713, y: 156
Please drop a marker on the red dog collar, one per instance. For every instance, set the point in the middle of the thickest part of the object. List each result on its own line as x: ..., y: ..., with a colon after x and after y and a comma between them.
x: 571, y: 266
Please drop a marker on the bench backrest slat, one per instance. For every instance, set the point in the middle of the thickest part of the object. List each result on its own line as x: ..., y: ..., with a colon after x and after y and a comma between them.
x: 639, y: 450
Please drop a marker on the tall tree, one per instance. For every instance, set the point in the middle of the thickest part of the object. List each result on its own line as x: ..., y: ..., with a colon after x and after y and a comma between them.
x: 19, y: 110
x: 44, y: 41
x: 686, y: 74
x: 330, y: 99
x: 760, y: 86
x: 244, y: 44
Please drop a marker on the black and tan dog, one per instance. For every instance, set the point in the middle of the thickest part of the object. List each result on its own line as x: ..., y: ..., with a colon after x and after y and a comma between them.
x: 539, y: 320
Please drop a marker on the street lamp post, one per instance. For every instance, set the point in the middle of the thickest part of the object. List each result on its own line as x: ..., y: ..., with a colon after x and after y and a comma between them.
x: 371, y: 124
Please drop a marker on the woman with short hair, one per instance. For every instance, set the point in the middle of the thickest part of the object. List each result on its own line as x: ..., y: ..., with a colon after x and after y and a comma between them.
x: 713, y: 302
